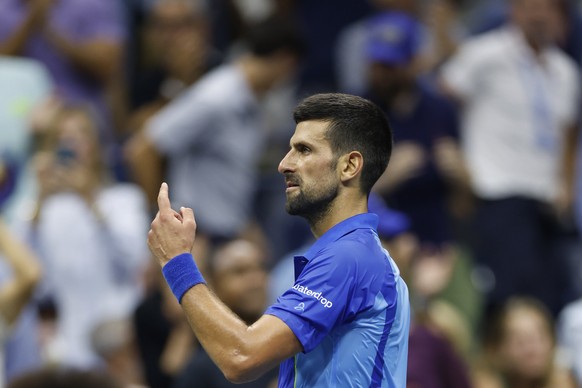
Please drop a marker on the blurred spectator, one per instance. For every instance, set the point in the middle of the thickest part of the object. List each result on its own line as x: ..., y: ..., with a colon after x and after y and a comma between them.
x: 93, y: 268
x: 79, y: 41
x: 64, y: 378
x: 321, y: 28
x: 491, y: 14
x: 15, y: 292
x: 350, y: 46
x: 519, y: 349
x: 446, y: 29
x: 426, y: 172
x: 114, y: 341
x: 436, y: 33
x: 578, y: 210
x: 569, y: 339
x: 520, y: 101
x: 24, y: 84
x: 176, y: 49
x: 211, y: 134
x: 164, y: 338
x: 238, y: 276
x: 433, y: 362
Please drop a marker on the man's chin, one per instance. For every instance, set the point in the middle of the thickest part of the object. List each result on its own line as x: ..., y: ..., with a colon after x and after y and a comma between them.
x: 291, y: 209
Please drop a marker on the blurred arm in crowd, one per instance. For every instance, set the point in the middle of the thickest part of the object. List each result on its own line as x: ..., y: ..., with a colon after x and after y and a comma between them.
x: 15, y: 293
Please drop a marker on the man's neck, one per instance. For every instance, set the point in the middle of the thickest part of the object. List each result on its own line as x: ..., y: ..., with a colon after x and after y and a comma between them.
x: 338, y: 212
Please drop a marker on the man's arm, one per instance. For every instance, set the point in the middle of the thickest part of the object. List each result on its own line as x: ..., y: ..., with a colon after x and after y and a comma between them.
x: 34, y: 18
x: 99, y: 58
x: 15, y: 294
x: 242, y: 352
x: 567, y: 194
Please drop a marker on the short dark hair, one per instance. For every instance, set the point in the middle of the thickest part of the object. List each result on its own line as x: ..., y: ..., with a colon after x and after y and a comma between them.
x: 273, y: 34
x: 355, y: 124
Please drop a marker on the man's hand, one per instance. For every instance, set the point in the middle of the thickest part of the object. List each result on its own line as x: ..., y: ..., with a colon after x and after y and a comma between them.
x: 171, y: 233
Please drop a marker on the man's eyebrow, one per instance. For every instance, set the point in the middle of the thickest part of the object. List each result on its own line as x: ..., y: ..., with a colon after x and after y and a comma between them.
x: 300, y: 142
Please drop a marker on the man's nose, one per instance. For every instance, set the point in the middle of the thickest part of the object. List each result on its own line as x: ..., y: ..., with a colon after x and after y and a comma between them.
x: 285, y: 165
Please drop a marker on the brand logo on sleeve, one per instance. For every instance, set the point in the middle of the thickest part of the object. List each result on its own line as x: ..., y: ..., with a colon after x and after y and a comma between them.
x: 317, y: 295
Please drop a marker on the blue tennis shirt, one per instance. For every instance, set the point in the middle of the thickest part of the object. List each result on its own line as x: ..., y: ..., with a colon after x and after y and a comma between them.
x: 349, y: 308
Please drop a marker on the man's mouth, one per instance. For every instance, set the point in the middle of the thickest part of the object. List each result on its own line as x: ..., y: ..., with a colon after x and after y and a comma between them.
x: 291, y: 184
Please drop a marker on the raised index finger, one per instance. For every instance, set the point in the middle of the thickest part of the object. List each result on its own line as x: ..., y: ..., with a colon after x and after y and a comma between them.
x: 163, y: 198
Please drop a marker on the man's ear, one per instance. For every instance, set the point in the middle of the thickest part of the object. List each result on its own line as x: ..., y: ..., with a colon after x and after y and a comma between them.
x: 351, y: 165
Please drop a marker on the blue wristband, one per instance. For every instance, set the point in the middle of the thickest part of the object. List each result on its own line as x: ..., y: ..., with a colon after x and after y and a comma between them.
x: 181, y: 274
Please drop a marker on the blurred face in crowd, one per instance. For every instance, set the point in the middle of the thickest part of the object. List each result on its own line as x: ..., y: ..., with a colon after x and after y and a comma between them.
x: 76, y: 138
x: 310, y: 171
x: 180, y: 38
x: 399, y: 5
x: 539, y: 20
x: 527, y: 347
x: 388, y: 80
x: 172, y: 18
x: 240, y: 279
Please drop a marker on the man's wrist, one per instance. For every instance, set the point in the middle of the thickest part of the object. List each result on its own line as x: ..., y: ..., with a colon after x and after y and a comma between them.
x: 181, y: 274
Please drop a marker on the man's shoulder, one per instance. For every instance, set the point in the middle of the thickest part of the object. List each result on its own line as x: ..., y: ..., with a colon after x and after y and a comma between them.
x: 488, y: 44
x: 218, y: 84
x: 358, y: 249
x: 564, y: 64
x: 220, y: 90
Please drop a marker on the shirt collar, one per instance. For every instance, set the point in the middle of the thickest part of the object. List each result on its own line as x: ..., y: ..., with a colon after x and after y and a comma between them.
x: 522, y: 46
x: 359, y: 221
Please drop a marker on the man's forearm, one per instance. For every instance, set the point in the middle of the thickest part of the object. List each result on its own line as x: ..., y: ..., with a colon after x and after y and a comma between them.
x: 100, y: 59
x: 569, y: 160
x: 243, y: 353
x: 15, y: 43
x: 26, y: 270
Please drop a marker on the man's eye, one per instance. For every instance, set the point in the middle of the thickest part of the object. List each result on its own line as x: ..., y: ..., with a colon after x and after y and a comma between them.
x: 304, y: 150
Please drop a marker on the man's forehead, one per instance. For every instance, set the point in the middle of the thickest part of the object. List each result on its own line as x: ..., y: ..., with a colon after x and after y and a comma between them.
x: 312, y: 130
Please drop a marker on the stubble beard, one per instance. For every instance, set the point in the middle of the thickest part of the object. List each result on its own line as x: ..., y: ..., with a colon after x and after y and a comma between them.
x: 312, y: 206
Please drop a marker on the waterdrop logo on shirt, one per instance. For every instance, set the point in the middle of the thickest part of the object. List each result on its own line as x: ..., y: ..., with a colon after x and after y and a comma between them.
x: 317, y: 295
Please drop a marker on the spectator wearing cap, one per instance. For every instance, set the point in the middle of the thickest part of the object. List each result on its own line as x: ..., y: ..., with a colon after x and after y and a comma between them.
x: 438, y: 30
x: 426, y: 170
x: 350, y: 47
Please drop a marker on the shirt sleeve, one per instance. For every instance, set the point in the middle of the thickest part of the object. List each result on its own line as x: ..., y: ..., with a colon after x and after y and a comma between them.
x: 182, y: 123
x: 125, y: 234
x: 572, y: 104
x: 323, y: 296
x: 462, y: 72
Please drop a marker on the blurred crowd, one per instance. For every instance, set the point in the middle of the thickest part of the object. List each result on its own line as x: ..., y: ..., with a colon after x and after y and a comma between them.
x: 481, y: 204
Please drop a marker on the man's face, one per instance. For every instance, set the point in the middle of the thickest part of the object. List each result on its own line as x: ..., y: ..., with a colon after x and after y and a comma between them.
x: 240, y: 279
x: 528, y: 347
x: 310, y: 171
x: 388, y: 81
x: 172, y: 20
x: 538, y: 19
